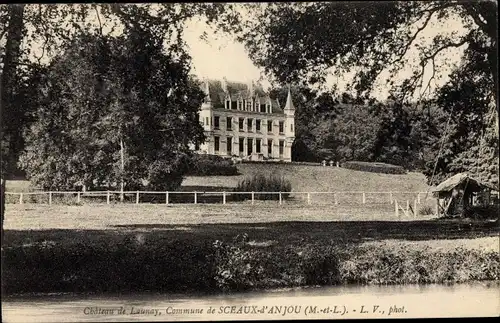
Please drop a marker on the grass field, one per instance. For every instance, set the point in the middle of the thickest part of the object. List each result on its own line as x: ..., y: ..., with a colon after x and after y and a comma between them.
x: 304, y: 178
x: 158, y: 247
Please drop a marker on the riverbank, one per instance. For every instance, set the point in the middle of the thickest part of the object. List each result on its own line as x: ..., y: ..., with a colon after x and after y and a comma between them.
x: 244, y: 256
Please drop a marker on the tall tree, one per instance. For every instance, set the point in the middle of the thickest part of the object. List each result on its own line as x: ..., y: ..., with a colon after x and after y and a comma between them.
x: 105, y: 93
x: 369, y: 38
x: 33, y: 33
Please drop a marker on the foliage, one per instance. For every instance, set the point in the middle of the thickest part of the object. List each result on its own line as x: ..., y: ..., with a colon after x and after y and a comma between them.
x: 361, y: 37
x: 374, y: 167
x: 211, y: 165
x: 260, y: 182
x: 369, y: 39
x: 466, y: 138
x: 98, y: 96
x: 139, y: 259
x: 31, y: 35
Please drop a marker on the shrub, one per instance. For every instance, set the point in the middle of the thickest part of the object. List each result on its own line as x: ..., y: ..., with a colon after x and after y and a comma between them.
x: 426, y: 210
x: 211, y: 165
x: 482, y: 211
x: 374, y: 167
x: 259, y: 182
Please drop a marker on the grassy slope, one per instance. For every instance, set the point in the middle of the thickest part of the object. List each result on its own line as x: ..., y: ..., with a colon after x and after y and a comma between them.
x: 303, y: 178
x: 321, y: 179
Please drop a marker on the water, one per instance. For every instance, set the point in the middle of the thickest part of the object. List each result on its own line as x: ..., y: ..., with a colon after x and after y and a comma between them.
x: 408, y: 301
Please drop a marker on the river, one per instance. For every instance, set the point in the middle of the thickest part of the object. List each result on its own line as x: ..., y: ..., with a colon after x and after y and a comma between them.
x: 337, y: 302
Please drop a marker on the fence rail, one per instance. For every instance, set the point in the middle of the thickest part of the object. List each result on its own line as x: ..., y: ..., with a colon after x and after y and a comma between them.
x: 216, y: 197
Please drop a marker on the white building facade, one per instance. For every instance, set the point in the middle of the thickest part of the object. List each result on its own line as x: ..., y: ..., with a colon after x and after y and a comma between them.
x: 243, y: 121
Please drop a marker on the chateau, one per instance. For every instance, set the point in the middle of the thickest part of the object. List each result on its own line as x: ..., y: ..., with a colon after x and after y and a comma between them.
x: 243, y: 121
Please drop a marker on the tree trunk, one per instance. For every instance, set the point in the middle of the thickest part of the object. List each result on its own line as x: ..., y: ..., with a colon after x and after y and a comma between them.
x: 11, y: 57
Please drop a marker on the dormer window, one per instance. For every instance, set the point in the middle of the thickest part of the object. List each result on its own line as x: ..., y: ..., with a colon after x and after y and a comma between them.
x: 268, y: 107
x: 227, y: 104
x: 240, y: 104
x: 249, y: 105
x: 257, y: 103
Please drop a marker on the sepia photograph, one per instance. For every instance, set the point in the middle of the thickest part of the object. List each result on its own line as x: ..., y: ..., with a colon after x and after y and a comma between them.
x: 219, y: 161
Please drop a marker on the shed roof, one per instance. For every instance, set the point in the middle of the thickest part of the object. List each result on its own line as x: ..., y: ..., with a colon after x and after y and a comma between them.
x: 456, y: 180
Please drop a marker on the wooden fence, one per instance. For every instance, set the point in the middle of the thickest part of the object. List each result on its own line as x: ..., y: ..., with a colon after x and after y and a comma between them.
x: 212, y: 197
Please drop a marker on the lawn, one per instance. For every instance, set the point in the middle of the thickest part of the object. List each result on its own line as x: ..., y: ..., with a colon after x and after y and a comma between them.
x: 157, y: 247
x: 102, y: 216
x: 304, y: 178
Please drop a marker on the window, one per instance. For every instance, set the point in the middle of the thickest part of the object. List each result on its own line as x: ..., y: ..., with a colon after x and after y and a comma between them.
x: 234, y: 105
x: 269, y: 147
x: 250, y: 146
x: 207, y: 121
x: 216, y: 122
x: 240, y: 104
x: 257, y: 104
x: 269, y: 125
x: 249, y: 105
x: 227, y: 104
x: 282, y: 127
x: 257, y: 146
x: 242, y: 145
x: 249, y: 125
x: 229, y: 123
x: 216, y: 143
x: 241, y: 121
x: 257, y: 125
x: 262, y: 108
x: 282, y: 145
x: 268, y: 108
x: 291, y: 127
x: 229, y: 145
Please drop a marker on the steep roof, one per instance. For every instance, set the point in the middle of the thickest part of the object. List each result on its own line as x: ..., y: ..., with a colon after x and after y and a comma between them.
x: 237, y: 90
x: 458, y: 179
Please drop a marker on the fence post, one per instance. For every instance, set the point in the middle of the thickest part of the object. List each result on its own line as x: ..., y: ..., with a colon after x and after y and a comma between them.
x: 437, y: 207
x: 166, y: 197
x: 21, y: 198
x: 335, y: 198
x: 50, y: 198
x: 407, y: 206
x: 364, y: 198
x: 195, y: 198
x: 415, y: 211
x: 309, y: 198
x: 418, y: 197
x: 253, y: 197
x: 78, y: 197
x: 396, y: 209
x: 223, y: 197
x: 137, y: 197
x: 280, y: 198
x: 107, y: 197
x: 390, y: 197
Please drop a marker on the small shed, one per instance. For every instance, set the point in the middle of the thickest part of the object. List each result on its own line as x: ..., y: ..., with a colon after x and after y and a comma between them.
x: 460, y: 191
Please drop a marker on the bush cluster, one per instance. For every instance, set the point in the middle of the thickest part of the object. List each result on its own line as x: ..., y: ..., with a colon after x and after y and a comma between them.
x: 374, y: 167
x: 211, y: 165
x: 143, y: 262
x: 259, y: 182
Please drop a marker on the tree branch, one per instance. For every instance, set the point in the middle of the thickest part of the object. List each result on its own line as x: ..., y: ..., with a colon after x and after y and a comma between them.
x: 98, y: 19
x: 412, y: 39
